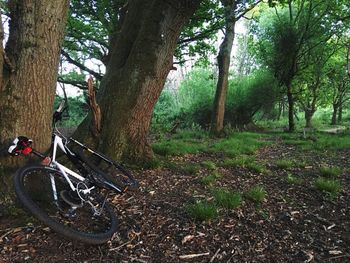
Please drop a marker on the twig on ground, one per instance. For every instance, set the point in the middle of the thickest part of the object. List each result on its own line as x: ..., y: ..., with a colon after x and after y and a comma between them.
x: 194, y: 255
x: 215, y: 255
x: 119, y: 247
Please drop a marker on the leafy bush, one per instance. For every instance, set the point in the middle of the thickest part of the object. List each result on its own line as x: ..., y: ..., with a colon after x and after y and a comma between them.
x: 250, y: 94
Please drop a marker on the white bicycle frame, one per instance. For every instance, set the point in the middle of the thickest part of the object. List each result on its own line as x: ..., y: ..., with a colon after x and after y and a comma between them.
x: 58, y: 141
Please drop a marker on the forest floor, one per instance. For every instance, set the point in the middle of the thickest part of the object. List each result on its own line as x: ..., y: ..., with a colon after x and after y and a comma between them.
x: 296, y: 222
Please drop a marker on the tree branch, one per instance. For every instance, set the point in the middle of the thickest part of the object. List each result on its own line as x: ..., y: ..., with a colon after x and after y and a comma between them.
x: 81, y: 66
x: 79, y: 84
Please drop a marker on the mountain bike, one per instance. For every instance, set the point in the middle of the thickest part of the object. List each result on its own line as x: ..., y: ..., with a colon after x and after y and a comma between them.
x: 71, y: 200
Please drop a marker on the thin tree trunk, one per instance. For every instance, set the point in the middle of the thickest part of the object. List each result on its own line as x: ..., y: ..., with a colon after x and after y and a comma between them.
x: 334, y: 114
x: 291, y: 124
x: 340, y: 113
x: 224, y: 58
x: 139, y: 64
x: 308, y: 118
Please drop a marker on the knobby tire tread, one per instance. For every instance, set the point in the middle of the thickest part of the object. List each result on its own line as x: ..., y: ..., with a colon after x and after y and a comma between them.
x: 26, y: 200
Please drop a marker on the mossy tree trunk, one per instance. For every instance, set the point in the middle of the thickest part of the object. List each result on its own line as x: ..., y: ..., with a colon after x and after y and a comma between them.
x: 140, y: 61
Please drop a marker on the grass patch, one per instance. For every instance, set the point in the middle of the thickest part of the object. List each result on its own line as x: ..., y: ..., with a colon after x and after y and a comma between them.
x: 210, y: 179
x: 284, y: 164
x: 238, y: 143
x: 191, y: 169
x: 177, y: 147
x: 330, y: 186
x: 210, y: 165
x: 256, y: 167
x: 256, y: 194
x: 291, y: 179
x: 202, y: 211
x: 318, y: 141
x: 330, y: 171
x: 227, y: 199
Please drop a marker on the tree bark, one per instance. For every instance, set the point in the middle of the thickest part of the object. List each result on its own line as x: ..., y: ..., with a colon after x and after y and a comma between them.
x: 28, y: 83
x: 308, y: 117
x: 224, y: 59
x: 334, y: 114
x: 340, y: 113
x: 291, y: 123
x: 140, y: 61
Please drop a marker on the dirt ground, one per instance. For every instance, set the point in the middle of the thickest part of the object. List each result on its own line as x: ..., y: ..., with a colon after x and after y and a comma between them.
x: 296, y: 223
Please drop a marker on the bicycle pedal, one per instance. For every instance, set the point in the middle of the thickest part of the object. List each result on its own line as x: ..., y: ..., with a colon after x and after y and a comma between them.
x: 71, y: 198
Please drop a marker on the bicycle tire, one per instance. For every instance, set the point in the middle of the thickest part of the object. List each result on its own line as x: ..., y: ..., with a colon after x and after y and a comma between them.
x: 43, y: 207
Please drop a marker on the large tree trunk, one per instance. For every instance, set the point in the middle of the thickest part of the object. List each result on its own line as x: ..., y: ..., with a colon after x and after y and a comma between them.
x: 139, y: 64
x: 224, y: 58
x: 308, y: 117
x: 28, y: 83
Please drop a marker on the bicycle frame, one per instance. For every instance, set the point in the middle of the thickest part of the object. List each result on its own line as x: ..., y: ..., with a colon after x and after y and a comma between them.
x: 58, y: 143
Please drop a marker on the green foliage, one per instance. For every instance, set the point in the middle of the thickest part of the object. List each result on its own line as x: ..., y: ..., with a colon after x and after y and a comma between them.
x: 227, y: 199
x: 330, y: 171
x: 330, y: 186
x: 202, y: 211
x: 196, y: 94
x: 77, y: 111
x: 249, y: 95
x: 256, y: 194
x: 165, y: 111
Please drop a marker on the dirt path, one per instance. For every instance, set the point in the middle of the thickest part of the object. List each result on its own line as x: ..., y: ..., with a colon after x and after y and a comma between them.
x: 296, y: 223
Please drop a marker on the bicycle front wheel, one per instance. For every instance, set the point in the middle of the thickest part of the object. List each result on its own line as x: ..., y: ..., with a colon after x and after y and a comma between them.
x: 38, y: 188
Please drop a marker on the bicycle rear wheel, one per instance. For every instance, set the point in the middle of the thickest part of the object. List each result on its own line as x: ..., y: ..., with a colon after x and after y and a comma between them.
x: 34, y: 188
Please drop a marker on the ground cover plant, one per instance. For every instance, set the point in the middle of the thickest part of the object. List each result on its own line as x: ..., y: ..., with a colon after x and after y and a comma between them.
x: 199, y: 205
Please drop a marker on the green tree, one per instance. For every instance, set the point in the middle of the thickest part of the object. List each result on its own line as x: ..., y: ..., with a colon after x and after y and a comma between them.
x: 288, y: 35
x: 339, y: 82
